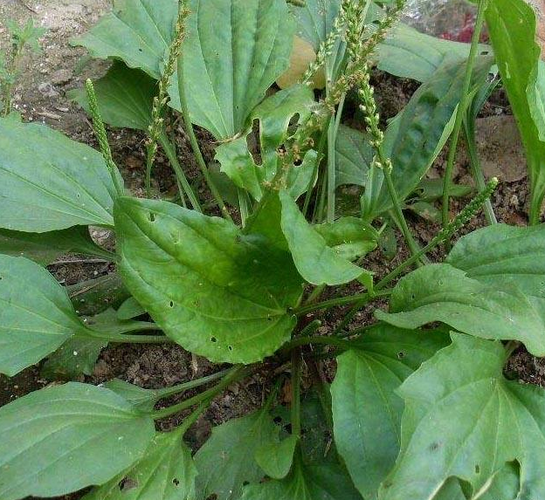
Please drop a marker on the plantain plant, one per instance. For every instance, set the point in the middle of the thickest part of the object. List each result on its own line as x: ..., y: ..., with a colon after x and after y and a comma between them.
x: 245, y: 274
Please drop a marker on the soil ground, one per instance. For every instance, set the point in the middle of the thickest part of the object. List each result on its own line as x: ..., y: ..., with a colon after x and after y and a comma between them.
x: 41, y: 96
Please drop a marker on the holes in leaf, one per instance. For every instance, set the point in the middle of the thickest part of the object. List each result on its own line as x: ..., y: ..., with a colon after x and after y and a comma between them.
x: 434, y: 446
x: 176, y: 482
x: 127, y: 484
x: 277, y: 420
x: 213, y: 339
x: 413, y: 296
x: 477, y: 469
x: 400, y: 355
x: 254, y: 147
x: 171, y: 304
x: 298, y: 162
x: 151, y: 217
x: 245, y: 483
x: 230, y: 347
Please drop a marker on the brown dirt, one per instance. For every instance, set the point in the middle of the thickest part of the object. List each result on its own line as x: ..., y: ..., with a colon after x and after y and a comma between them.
x: 41, y: 96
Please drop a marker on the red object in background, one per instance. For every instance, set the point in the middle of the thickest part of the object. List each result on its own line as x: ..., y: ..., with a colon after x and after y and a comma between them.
x: 465, y: 33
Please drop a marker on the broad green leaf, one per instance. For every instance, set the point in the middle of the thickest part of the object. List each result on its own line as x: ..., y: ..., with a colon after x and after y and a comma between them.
x: 353, y: 155
x: 94, y: 296
x: 130, y: 309
x: 125, y: 97
x: 505, y: 485
x: 440, y: 292
x: 536, y: 98
x: 424, y: 128
x: 64, y: 438
x: 138, y: 32
x: 499, y: 252
x: 166, y: 472
x: 464, y: 419
x: 213, y: 290
x: 322, y: 482
x: 36, y: 315
x: 452, y: 490
x: 407, y: 53
x: 226, y: 461
x: 349, y: 237
x: 512, y: 29
x: 366, y: 409
x: 143, y: 399
x: 49, y: 182
x: 316, y: 20
x: 75, y: 357
x: 316, y: 262
x: 109, y: 322
x: 234, y: 51
x: 432, y: 190
x: 276, y: 458
x: 44, y: 248
x: 274, y: 115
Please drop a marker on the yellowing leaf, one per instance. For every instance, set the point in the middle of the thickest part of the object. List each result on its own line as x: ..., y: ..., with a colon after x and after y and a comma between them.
x: 301, y: 56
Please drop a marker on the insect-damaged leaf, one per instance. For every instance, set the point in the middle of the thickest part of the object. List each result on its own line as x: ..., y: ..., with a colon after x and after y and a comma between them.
x: 36, y: 315
x: 366, y: 409
x: 274, y: 116
x: 464, y: 419
x: 49, y: 182
x: 213, y: 290
x: 166, y: 472
x: 64, y: 438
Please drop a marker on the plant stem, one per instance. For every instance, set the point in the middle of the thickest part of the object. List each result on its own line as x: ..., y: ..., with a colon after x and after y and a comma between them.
x: 125, y: 339
x: 318, y: 339
x: 462, y: 108
x: 332, y: 130
x: 236, y: 373
x: 296, y: 392
x: 315, y: 294
x: 195, y: 144
x: 310, y: 189
x: 340, y: 301
x: 477, y: 172
x: 170, y: 151
x: 536, y: 204
x: 243, y: 204
x: 413, y: 247
x: 192, y: 384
